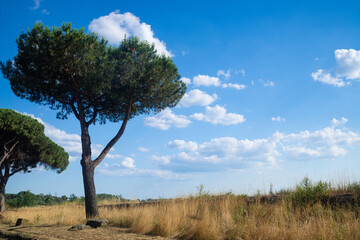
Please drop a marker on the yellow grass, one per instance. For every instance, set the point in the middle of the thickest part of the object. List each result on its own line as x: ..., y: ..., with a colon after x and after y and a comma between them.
x: 217, y: 217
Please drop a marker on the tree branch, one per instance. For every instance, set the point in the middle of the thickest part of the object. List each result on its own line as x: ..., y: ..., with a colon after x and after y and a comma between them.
x: 74, y: 109
x: 92, y: 120
x: 16, y: 171
x: 102, y: 155
x: 7, y: 152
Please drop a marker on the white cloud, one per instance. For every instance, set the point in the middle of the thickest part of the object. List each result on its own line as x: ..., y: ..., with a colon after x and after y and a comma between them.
x: 143, y: 149
x: 335, y: 122
x: 348, y: 61
x: 119, y: 170
x: 162, y: 159
x: 223, y: 73
x: 166, y: 119
x: 71, y: 142
x: 278, y: 119
x: 348, y: 67
x: 326, y: 78
x: 205, y: 80
x: 115, y: 26
x: 128, y: 163
x: 111, y: 156
x: 225, y: 149
x: 197, y: 97
x: 186, y: 80
x: 327, y: 143
x: 234, y: 85
x: 218, y: 115
x: 36, y: 4
x: 183, y: 145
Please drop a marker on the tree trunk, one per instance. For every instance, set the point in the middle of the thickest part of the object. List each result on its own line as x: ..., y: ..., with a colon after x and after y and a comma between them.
x: 3, y: 182
x: 89, y: 189
x: 88, y: 174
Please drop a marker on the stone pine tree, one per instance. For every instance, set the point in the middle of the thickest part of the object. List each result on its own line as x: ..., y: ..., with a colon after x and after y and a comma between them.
x: 25, y: 146
x: 79, y: 73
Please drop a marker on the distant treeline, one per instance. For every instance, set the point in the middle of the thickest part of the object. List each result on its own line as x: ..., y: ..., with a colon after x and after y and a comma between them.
x: 28, y: 199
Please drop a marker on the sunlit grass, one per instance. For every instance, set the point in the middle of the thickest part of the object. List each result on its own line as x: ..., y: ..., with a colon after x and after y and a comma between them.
x: 299, y: 215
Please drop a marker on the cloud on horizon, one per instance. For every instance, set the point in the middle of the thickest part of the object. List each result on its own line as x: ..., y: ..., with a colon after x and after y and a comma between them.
x: 227, y: 152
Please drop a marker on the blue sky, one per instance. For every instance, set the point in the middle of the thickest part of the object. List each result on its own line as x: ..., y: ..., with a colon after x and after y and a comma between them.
x: 273, y: 96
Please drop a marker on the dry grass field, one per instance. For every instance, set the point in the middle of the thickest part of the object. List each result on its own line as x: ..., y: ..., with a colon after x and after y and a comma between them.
x: 298, y: 215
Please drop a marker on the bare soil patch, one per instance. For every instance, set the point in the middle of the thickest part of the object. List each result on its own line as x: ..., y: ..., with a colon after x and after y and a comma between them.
x: 62, y: 232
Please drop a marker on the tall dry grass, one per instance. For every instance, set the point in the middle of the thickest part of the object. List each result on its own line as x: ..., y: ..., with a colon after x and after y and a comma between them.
x: 212, y: 217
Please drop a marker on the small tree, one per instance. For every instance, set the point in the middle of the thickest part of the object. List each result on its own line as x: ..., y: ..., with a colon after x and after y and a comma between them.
x: 75, y: 72
x: 25, y: 146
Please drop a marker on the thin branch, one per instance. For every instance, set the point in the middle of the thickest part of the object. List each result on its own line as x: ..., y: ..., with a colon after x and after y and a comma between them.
x: 16, y: 171
x: 74, y: 109
x: 102, y: 155
x: 92, y: 120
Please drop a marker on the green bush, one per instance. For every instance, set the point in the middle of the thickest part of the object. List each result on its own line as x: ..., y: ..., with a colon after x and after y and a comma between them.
x: 308, y: 193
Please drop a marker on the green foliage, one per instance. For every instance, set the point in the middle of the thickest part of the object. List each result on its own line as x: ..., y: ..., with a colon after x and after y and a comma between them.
x: 28, y: 199
x: 106, y: 196
x: 73, y: 71
x: 26, y: 145
x: 308, y: 193
x: 23, y: 199
x: 73, y: 198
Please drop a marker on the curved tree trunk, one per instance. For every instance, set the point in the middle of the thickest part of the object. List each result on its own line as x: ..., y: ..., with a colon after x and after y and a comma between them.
x: 88, y: 174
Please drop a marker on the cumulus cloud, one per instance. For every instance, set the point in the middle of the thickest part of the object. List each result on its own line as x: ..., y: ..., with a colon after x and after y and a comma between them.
x: 234, y: 85
x: 167, y: 119
x: 278, y: 119
x: 197, y: 97
x: 225, y: 149
x: 128, y: 163
x: 327, y: 143
x: 205, y: 80
x: 326, y: 78
x: 218, y: 115
x: 348, y: 67
x: 186, y: 80
x: 348, y: 61
x: 335, y: 122
x: 223, y: 73
x: 183, y: 145
x: 115, y: 26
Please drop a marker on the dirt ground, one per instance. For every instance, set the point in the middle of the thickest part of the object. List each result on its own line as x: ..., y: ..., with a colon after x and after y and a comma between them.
x: 61, y: 232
